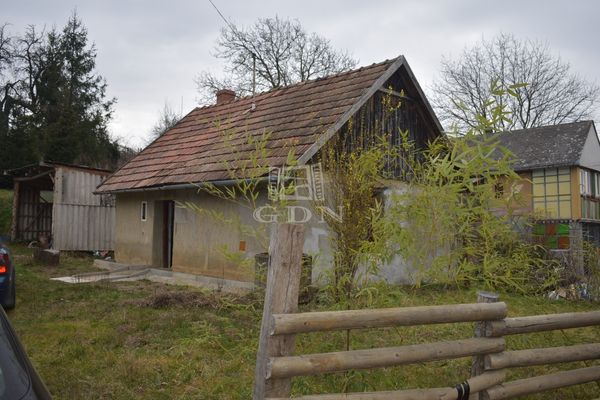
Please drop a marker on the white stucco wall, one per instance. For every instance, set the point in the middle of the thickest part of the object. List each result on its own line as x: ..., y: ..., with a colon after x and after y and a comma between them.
x: 591, y: 149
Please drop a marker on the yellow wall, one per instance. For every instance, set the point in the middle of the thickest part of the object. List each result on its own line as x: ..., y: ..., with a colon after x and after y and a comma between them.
x: 524, y: 200
x: 522, y: 203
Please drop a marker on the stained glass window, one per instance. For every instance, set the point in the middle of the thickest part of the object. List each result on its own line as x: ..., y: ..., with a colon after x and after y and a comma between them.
x: 552, y: 236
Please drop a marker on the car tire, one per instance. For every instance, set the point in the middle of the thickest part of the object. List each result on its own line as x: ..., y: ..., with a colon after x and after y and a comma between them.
x: 11, y: 302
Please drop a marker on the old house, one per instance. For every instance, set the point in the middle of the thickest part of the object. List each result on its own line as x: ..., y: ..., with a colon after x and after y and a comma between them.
x: 560, y: 167
x: 56, y: 202
x: 152, y: 228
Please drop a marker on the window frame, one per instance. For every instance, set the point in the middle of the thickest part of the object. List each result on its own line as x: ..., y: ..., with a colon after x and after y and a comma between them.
x: 551, y: 178
x: 144, y: 211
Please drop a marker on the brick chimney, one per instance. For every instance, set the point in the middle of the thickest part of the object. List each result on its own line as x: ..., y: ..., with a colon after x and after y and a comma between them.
x: 225, y: 96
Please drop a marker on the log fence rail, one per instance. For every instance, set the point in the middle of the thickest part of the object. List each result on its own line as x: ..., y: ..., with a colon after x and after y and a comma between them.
x: 277, y: 364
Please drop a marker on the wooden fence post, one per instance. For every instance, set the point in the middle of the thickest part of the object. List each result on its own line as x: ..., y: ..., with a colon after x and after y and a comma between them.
x: 14, y: 226
x: 281, y: 296
x: 478, y: 366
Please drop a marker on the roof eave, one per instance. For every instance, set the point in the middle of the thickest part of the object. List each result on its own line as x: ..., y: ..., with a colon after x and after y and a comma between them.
x: 181, y: 186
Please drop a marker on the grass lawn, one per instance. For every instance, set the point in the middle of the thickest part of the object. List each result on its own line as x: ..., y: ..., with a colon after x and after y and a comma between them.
x: 143, y: 340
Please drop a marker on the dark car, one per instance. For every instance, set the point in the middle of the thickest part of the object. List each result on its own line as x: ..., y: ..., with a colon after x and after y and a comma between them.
x: 18, y: 378
x: 7, y: 279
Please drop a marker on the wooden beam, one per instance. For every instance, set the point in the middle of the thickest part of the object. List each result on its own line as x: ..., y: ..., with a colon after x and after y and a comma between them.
x: 548, y: 355
x: 378, y: 318
x: 32, y: 178
x: 477, y: 384
x: 14, y: 226
x: 394, y: 93
x: 540, y: 323
x: 542, y: 383
x: 314, y: 364
x: 281, y: 296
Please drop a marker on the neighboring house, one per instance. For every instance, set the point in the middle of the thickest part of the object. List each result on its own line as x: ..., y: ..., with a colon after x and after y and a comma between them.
x: 56, y: 202
x: 560, y: 167
x: 152, y: 229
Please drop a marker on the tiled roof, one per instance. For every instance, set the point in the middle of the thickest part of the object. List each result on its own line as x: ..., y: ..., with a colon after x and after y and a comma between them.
x: 546, y: 146
x: 196, y: 149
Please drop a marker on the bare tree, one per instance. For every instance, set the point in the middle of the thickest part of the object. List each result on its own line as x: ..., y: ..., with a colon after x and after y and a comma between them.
x: 6, y: 43
x: 30, y: 63
x: 6, y: 84
x: 167, y: 119
x: 280, y: 51
x: 552, y: 93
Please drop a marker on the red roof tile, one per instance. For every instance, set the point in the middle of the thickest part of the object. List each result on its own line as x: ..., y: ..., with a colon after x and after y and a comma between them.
x: 210, y: 140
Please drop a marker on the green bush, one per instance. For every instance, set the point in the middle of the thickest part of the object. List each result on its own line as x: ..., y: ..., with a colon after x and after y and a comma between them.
x: 451, y: 230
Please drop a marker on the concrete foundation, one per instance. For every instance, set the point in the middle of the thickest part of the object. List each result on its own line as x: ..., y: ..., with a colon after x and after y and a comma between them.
x: 120, y: 272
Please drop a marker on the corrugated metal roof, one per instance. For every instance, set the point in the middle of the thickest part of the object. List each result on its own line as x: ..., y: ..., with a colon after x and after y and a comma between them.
x: 546, y: 146
x: 196, y: 149
x: 33, y: 169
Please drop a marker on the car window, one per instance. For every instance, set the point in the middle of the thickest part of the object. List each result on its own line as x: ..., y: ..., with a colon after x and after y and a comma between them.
x: 14, y: 380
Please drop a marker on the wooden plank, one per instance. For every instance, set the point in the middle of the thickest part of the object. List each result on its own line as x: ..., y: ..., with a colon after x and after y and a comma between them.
x: 281, y: 296
x: 314, y: 364
x: 542, y: 383
x: 324, y: 138
x: 477, y: 384
x: 377, y: 318
x: 394, y: 93
x: 548, y: 355
x: 14, y: 226
x: 540, y: 323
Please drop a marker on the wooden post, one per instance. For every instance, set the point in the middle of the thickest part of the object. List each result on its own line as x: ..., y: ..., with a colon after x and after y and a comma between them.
x: 281, y: 296
x: 15, y: 212
x: 478, y: 366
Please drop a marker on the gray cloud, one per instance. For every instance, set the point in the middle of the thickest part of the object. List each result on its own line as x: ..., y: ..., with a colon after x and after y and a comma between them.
x: 150, y: 51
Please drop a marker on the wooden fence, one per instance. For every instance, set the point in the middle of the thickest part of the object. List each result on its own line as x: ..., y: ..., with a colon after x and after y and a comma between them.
x: 276, y: 363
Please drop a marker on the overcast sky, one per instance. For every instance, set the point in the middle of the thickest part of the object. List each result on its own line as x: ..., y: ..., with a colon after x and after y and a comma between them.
x: 150, y: 51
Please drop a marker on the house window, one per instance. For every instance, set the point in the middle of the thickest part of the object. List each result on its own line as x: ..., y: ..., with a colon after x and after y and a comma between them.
x: 589, y: 183
x: 585, y: 179
x: 144, y: 210
x: 552, y: 192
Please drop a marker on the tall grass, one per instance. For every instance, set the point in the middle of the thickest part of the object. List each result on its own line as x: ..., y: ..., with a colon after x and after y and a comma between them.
x: 143, y: 340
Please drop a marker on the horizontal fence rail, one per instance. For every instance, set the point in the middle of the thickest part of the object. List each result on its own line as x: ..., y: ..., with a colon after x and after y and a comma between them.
x: 283, y: 324
x: 548, y: 355
x: 315, y: 364
x: 542, y: 383
x: 277, y: 364
x: 477, y: 384
x: 541, y: 323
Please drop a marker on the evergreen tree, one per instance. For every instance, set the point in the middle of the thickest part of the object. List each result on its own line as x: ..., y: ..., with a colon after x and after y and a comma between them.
x: 76, y: 123
x: 53, y: 104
